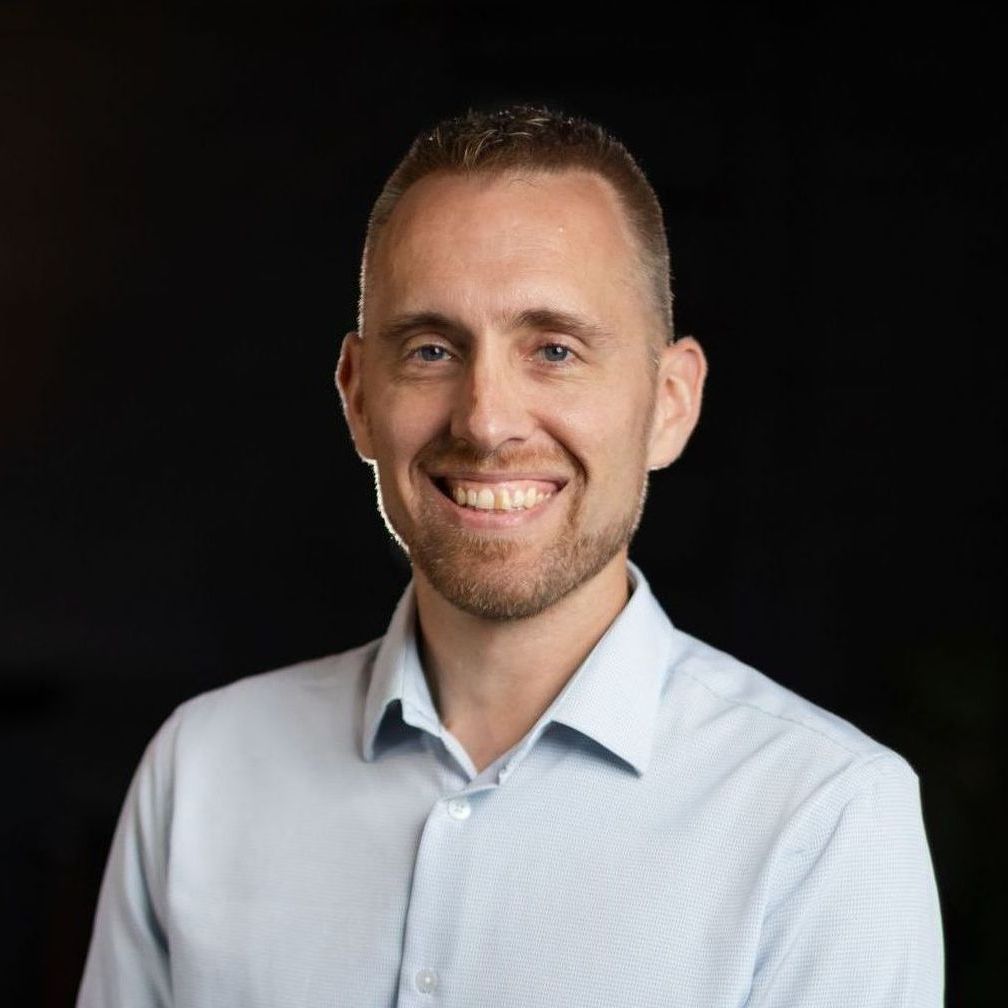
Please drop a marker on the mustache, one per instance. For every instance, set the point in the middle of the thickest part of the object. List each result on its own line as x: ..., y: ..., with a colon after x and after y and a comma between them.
x: 448, y: 452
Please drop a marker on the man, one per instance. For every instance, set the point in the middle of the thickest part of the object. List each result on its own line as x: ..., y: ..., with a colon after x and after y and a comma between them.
x: 533, y: 791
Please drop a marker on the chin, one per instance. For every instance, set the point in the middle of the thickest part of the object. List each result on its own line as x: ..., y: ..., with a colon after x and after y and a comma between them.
x: 493, y: 581
x: 489, y: 599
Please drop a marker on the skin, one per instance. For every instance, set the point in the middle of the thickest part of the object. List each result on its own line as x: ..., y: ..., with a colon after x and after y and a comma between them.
x: 508, y: 333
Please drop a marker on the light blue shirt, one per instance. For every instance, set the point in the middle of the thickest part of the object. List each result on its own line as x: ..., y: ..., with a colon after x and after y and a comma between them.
x: 676, y: 830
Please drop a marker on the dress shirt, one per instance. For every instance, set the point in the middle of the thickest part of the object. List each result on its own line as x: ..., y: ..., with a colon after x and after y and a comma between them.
x: 675, y: 830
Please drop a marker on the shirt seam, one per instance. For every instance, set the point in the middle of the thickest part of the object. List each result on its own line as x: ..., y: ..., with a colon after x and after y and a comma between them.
x: 783, y: 717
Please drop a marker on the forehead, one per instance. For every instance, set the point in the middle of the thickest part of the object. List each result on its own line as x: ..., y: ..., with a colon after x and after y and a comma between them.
x: 514, y: 236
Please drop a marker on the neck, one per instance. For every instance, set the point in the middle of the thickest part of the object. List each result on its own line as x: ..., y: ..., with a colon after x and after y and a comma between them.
x: 492, y: 679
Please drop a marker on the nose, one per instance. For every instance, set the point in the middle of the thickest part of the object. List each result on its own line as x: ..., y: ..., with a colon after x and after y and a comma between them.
x: 490, y: 408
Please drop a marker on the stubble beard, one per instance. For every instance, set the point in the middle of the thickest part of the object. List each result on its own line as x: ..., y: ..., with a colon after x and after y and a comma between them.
x: 498, y: 579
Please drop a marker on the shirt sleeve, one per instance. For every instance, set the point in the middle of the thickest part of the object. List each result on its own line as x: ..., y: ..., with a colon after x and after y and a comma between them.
x: 127, y: 964
x: 855, y: 919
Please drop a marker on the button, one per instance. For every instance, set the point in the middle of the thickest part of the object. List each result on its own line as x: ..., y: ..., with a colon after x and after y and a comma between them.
x: 459, y: 808
x: 426, y: 981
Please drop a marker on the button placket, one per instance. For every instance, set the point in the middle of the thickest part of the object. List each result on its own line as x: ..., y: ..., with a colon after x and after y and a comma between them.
x: 435, y: 893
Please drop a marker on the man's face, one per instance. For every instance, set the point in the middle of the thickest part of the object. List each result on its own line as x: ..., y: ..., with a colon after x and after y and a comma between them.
x: 504, y: 386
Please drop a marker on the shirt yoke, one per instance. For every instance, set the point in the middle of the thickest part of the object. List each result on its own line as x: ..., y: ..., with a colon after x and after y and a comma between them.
x: 768, y: 709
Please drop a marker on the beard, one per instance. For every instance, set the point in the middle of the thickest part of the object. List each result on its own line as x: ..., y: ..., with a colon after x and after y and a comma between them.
x: 512, y: 579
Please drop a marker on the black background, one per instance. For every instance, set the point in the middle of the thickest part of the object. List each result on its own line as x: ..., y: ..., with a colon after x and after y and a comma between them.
x: 182, y: 202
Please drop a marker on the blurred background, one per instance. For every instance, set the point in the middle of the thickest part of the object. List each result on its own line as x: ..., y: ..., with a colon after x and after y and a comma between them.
x: 182, y: 203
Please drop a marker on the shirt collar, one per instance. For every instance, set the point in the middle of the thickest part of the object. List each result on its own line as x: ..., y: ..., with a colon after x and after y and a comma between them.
x: 397, y: 678
x: 612, y: 698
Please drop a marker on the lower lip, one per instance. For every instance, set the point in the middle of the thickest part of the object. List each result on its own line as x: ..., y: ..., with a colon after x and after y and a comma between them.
x: 476, y: 518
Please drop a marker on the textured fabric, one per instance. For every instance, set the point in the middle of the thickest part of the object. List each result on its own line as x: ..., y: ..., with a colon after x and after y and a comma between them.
x: 676, y: 830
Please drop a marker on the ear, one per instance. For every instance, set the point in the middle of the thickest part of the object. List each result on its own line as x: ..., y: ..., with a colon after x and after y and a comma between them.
x: 682, y: 369
x: 351, y: 390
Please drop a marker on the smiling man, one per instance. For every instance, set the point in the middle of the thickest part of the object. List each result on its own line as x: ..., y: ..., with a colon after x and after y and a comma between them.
x: 533, y: 790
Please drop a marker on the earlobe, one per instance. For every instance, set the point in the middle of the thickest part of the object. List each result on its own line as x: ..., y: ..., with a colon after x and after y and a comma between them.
x: 350, y: 385
x: 682, y: 370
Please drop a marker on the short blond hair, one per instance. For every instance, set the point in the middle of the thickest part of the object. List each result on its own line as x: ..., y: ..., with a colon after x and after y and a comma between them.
x: 531, y: 137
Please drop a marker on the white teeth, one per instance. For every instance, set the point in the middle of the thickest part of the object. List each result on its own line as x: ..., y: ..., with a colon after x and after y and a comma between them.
x: 503, y: 499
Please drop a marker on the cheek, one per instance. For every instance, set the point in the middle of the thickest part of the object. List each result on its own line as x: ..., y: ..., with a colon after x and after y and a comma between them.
x: 605, y: 432
x: 405, y: 422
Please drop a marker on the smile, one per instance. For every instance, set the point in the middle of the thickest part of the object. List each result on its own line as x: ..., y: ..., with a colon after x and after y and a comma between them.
x: 496, y: 495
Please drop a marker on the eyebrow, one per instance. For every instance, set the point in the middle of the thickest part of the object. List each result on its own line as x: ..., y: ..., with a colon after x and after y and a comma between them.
x: 546, y: 319
x: 553, y: 320
x: 402, y: 325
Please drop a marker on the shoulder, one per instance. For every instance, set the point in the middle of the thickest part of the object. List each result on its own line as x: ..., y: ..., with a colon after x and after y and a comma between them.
x: 757, y: 699
x: 308, y: 699
x: 739, y: 722
x: 330, y: 675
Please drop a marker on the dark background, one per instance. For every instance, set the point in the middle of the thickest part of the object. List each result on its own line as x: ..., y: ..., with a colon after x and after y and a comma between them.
x: 182, y: 202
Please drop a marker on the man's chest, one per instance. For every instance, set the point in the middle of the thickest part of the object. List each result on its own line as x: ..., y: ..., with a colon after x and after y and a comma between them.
x: 550, y: 889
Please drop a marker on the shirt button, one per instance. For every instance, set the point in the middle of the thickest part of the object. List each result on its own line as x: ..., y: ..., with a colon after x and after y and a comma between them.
x: 426, y: 981
x: 459, y: 808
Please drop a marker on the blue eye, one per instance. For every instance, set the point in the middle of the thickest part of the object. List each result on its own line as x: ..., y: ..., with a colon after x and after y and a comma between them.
x: 555, y: 353
x: 431, y: 353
